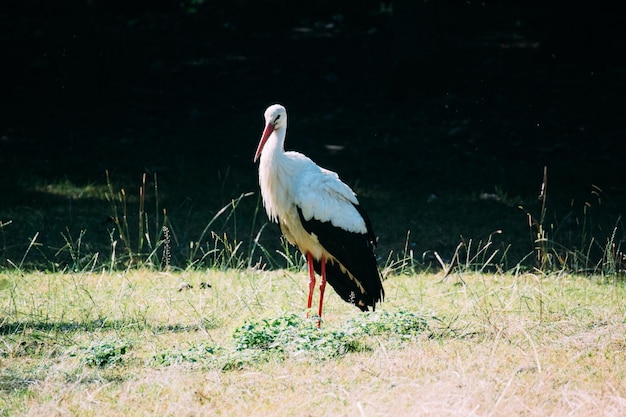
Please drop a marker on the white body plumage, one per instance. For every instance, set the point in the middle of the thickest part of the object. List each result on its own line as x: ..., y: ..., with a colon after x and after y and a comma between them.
x: 289, y: 180
x: 319, y: 214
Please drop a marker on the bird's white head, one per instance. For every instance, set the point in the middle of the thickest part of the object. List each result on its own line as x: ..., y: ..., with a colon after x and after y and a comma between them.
x: 275, y: 119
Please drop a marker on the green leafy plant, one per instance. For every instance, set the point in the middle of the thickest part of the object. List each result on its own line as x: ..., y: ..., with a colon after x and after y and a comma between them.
x: 200, y: 353
x: 292, y: 335
x: 106, y: 353
x: 401, y: 323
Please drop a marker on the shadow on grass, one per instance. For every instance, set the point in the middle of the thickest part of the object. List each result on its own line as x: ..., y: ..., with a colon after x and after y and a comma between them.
x: 18, y: 327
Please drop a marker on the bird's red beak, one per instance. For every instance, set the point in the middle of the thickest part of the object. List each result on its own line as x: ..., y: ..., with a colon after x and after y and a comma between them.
x: 266, y: 134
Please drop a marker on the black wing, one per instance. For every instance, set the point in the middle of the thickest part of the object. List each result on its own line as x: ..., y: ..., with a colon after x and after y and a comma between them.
x: 356, y: 278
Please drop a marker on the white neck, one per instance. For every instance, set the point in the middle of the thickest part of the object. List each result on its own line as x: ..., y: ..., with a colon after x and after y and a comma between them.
x: 271, y: 164
x: 275, y: 144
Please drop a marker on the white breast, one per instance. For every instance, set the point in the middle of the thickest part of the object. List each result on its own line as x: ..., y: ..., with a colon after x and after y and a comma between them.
x: 290, y: 180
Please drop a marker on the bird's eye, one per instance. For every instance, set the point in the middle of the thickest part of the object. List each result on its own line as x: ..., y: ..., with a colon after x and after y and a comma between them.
x: 276, y: 119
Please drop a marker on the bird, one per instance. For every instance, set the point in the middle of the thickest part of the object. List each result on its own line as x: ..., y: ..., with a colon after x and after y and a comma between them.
x: 321, y: 216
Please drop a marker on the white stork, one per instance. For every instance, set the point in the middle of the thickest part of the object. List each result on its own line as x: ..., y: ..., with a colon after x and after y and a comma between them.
x: 319, y: 214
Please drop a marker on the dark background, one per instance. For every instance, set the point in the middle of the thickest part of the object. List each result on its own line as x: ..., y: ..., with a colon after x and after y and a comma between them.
x: 441, y: 115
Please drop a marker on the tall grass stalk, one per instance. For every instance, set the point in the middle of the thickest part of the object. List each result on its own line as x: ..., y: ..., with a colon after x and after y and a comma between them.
x: 149, y: 234
x: 119, y: 219
x: 542, y: 256
x: 590, y: 254
x: 404, y: 263
x: 614, y: 257
x: 196, y: 245
x: 254, y: 244
x: 31, y: 244
x: 294, y: 258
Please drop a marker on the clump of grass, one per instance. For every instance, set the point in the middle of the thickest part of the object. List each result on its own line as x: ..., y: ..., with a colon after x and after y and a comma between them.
x: 292, y: 335
x: 221, y: 251
x: 105, y: 353
x: 142, y: 251
x: 573, y: 244
x: 404, y: 263
x: 79, y: 261
x: 157, y: 244
x: 32, y: 243
x: 475, y: 257
x: 196, y: 354
x: 539, y: 234
x: 400, y: 323
x: 614, y: 254
x: 272, y: 334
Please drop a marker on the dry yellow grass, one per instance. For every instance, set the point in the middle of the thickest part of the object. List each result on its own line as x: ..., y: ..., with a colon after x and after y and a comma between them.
x: 497, y: 345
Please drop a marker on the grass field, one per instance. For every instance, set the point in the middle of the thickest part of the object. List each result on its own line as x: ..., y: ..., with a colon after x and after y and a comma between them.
x: 139, y: 274
x: 236, y: 342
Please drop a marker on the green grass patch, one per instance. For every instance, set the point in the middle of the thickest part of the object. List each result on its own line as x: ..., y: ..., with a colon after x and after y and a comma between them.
x: 87, y: 344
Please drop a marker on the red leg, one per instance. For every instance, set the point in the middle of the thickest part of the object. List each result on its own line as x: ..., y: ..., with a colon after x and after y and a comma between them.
x: 309, y: 260
x: 322, y: 288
